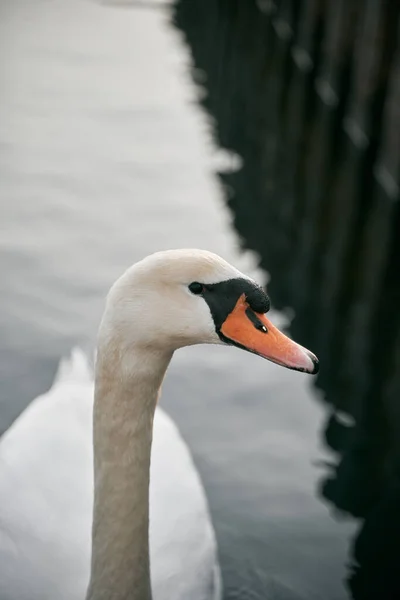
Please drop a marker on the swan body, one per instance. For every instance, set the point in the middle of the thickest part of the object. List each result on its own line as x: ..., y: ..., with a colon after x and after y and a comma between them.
x: 169, y: 300
x: 46, y: 501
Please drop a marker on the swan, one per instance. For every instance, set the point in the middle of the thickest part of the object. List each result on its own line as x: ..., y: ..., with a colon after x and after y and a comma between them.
x: 152, y: 535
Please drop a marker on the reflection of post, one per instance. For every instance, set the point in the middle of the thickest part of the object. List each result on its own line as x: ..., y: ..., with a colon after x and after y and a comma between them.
x: 391, y: 395
x: 351, y: 260
x: 359, y: 209
x: 331, y: 90
x: 296, y: 121
x: 377, y: 546
x: 273, y: 160
x: 308, y: 94
x: 367, y: 481
x: 371, y: 249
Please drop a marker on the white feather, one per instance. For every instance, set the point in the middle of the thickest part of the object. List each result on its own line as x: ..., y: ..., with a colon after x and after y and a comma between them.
x: 46, y: 496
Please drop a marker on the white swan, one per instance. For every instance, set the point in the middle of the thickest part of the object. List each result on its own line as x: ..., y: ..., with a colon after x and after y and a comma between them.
x: 169, y: 300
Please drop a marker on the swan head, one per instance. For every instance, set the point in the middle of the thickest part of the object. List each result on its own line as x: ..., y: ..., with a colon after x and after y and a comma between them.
x: 178, y: 298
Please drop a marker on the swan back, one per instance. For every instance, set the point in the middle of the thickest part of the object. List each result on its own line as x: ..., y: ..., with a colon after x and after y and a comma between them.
x: 46, y: 481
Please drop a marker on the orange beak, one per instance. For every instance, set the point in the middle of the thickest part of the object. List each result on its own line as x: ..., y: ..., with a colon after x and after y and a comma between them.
x: 254, y: 332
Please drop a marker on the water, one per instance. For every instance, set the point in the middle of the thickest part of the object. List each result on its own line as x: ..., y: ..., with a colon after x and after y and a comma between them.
x: 104, y: 158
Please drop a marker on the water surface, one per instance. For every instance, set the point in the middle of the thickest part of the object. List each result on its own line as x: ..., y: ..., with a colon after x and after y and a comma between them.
x: 104, y: 158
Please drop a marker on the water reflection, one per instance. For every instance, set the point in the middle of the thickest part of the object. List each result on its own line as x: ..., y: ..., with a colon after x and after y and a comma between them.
x: 307, y: 93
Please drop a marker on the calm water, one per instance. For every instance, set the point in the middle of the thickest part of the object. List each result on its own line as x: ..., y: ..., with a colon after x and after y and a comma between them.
x: 104, y: 158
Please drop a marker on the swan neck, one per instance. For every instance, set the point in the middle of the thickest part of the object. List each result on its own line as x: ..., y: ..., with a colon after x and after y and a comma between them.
x: 126, y: 392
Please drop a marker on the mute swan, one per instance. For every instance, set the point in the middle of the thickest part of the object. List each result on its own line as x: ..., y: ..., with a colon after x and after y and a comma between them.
x: 168, y: 300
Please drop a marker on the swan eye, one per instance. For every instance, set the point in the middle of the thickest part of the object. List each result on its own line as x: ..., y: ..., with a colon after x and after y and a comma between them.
x: 196, y: 288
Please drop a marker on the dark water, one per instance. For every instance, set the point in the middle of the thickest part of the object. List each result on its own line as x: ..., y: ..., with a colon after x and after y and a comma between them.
x: 308, y: 94
x: 105, y: 157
